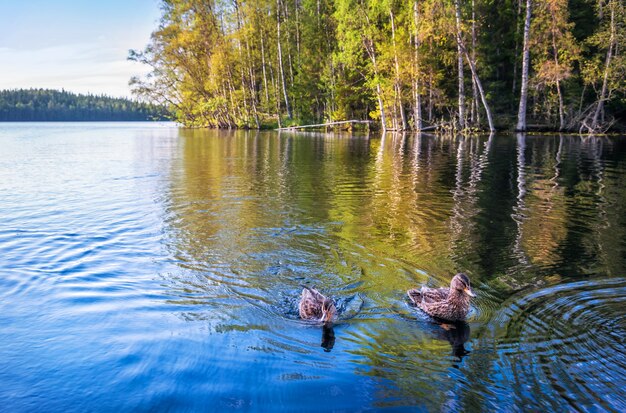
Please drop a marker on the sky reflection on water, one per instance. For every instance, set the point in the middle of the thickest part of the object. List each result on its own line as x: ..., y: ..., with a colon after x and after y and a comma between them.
x: 152, y: 268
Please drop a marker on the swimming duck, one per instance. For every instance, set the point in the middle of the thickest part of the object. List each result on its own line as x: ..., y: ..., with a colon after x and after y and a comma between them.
x: 450, y: 304
x: 315, y: 306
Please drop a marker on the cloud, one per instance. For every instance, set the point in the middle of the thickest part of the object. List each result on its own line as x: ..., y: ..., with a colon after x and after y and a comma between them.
x: 81, y: 67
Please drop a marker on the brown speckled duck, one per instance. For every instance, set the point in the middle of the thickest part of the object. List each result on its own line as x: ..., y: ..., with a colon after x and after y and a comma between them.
x: 316, y: 307
x: 450, y: 304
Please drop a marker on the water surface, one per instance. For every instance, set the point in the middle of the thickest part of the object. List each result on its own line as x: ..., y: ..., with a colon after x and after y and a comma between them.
x: 145, y: 267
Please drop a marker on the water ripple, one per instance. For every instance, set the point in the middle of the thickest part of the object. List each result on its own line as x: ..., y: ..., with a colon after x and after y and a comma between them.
x: 566, y: 341
x: 151, y: 269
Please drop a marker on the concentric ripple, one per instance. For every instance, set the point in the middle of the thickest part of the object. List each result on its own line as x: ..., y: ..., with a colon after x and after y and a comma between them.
x: 566, y: 343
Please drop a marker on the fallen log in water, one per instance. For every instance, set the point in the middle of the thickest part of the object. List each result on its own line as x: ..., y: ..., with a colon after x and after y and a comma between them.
x: 424, y: 129
x: 343, y: 122
x: 320, y: 125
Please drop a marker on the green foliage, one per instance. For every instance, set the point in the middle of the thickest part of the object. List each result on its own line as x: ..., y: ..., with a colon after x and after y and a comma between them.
x: 250, y: 64
x: 54, y: 105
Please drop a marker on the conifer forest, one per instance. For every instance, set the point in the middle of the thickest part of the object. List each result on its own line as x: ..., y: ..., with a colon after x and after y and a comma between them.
x: 36, y: 105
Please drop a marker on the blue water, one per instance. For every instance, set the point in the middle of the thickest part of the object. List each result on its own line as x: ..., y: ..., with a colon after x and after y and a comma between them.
x: 149, y: 268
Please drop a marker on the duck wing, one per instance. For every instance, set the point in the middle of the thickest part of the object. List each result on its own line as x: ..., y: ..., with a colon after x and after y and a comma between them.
x: 310, y: 306
x: 313, y: 294
x: 427, y: 295
x: 434, y: 295
x: 445, y: 310
x: 438, y: 309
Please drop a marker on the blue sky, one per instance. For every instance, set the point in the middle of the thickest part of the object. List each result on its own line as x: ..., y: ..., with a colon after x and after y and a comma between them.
x: 78, y: 45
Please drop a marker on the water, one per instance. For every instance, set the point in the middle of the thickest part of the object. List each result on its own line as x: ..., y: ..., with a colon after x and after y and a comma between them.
x: 147, y: 268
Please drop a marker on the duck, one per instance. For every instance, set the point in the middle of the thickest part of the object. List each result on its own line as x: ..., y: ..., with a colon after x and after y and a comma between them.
x: 315, y: 306
x: 450, y: 304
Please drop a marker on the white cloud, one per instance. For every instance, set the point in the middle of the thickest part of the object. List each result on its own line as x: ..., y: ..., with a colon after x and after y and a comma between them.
x: 82, y: 67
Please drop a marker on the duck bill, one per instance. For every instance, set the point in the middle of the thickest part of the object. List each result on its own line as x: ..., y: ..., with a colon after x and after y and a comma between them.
x: 327, y: 317
x: 469, y: 292
x: 324, y: 317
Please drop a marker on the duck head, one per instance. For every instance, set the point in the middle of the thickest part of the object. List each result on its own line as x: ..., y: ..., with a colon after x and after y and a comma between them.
x: 328, y: 310
x: 461, y: 283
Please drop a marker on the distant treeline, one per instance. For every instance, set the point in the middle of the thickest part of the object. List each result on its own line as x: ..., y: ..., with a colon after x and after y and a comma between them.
x: 53, y: 105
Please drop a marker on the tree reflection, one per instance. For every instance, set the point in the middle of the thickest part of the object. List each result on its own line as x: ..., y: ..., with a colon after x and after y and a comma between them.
x: 250, y: 216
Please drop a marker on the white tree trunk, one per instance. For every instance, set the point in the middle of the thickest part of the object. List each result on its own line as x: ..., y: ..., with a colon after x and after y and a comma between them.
x: 267, y: 92
x: 379, y: 95
x: 475, y: 114
x: 460, y: 66
x: 280, y: 61
x: 555, y: 51
x: 397, y: 73
x: 607, y: 65
x: 521, y: 114
x: 371, y: 51
x: 417, y: 109
x: 481, y: 91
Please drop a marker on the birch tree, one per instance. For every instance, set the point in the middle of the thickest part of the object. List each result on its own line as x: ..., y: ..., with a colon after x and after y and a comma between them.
x: 521, y: 113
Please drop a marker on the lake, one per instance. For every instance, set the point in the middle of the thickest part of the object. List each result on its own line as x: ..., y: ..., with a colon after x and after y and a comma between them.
x: 150, y: 268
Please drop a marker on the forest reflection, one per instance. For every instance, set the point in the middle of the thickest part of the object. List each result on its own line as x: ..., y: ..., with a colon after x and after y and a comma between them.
x: 510, y: 210
x: 173, y: 260
x: 251, y: 216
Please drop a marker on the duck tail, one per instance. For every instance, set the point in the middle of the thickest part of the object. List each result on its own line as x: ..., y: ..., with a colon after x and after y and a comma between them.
x: 415, y: 295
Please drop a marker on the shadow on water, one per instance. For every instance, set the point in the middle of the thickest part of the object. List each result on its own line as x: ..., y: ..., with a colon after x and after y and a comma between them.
x: 457, y: 334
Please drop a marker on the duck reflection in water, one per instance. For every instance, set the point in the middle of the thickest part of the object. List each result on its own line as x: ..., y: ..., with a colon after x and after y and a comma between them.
x: 456, y: 334
x: 328, y: 337
x: 314, y: 306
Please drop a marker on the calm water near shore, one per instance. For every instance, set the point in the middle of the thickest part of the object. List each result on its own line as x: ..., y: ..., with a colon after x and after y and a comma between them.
x: 149, y: 268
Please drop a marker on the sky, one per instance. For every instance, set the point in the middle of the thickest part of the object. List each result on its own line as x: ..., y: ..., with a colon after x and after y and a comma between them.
x: 76, y: 45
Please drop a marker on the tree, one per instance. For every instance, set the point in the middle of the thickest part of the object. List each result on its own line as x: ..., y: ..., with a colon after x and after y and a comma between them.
x: 611, y: 36
x: 472, y: 64
x: 461, y: 77
x: 521, y: 113
x: 555, y: 50
x: 54, y: 105
x: 280, y: 58
x: 357, y: 31
x: 251, y: 64
x: 416, y: 84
